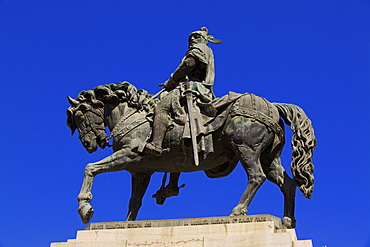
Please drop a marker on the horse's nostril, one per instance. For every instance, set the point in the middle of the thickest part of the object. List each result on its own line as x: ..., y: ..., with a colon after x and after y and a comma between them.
x: 86, y: 143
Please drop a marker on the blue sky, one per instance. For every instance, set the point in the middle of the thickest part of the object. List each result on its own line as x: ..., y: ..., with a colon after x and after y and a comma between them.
x: 314, y: 54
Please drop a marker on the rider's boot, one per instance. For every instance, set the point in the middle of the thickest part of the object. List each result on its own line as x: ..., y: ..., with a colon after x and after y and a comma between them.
x: 159, y: 130
x: 153, y: 148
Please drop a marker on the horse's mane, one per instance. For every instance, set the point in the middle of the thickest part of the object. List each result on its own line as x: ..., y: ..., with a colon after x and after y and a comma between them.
x: 111, y: 94
x: 121, y: 92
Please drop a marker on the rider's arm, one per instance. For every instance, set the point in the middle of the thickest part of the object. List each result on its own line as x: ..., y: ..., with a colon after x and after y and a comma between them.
x: 183, y: 70
x: 187, y: 65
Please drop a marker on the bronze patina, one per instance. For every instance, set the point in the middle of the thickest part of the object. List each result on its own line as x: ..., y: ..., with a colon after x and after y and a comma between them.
x: 235, y: 128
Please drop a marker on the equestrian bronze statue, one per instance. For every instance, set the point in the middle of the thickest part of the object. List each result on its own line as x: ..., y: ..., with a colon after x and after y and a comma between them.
x: 188, y: 129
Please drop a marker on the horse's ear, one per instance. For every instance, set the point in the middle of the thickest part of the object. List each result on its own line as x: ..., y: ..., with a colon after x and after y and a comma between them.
x: 73, y: 102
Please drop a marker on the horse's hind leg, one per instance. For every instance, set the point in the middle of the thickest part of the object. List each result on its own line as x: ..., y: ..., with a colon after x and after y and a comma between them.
x: 251, y: 163
x: 277, y: 174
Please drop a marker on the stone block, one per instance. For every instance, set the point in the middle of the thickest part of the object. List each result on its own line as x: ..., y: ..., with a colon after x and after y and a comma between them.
x: 255, y: 230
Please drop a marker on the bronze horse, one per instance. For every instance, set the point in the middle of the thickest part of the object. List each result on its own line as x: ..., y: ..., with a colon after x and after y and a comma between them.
x: 248, y: 129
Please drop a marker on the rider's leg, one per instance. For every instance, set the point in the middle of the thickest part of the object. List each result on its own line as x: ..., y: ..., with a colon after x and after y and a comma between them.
x: 160, y: 125
x: 178, y: 112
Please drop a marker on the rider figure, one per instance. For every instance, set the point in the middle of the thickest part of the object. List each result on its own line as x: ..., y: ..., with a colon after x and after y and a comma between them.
x: 197, y: 69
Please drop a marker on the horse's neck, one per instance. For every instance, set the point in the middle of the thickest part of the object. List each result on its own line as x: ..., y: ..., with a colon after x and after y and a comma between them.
x: 115, y: 113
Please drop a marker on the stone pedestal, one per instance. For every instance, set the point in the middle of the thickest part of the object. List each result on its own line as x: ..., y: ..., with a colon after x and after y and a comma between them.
x: 235, y: 231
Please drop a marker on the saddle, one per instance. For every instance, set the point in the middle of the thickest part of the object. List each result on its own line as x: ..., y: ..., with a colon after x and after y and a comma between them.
x: 209, y: 118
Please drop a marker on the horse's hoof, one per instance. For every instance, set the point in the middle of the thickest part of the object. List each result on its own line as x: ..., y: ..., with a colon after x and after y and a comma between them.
x: 86, y: 212
x: 239, y: 210
x: 288, y: 223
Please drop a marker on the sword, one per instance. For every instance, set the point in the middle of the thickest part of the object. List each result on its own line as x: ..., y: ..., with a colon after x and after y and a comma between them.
x: 189, y: 101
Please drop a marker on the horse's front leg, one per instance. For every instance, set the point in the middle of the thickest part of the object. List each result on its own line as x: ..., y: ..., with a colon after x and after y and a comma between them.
x: 85, y: 210
x: 140, y: 182
x: 112, y: 163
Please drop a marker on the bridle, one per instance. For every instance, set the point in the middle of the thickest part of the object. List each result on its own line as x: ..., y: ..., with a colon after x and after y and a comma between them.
x: 90, y: 125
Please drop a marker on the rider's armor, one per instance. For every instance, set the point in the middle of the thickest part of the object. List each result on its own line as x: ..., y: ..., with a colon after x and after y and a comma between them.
x: 195, y: 73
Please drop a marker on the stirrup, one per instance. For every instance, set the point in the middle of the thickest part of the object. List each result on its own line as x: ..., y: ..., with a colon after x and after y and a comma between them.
x: 151, y: 148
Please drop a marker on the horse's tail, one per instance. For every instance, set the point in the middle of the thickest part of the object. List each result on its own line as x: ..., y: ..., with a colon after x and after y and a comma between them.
x: 303, y: 144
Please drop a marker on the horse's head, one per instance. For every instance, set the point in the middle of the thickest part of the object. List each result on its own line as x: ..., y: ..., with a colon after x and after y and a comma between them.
x: 92, y: 111
x: 87, y: 116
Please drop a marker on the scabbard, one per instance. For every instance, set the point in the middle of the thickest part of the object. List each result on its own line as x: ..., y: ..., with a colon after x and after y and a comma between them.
x: 193, y: 130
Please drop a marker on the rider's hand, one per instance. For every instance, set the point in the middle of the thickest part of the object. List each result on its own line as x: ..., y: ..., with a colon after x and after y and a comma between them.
x: 169, y: 84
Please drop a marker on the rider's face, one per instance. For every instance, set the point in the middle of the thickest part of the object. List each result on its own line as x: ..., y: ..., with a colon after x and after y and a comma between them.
x: 196, y: 39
